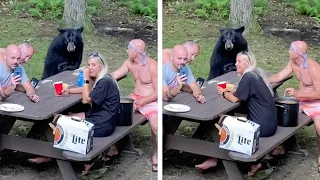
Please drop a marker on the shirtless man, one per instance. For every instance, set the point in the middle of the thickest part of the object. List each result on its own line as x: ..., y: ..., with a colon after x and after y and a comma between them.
x: 191, y: 47
x: 12, y: 60
x: 145, y: 93
x: 306, y: 70
x: 173, y: 83
x: 27, y: 51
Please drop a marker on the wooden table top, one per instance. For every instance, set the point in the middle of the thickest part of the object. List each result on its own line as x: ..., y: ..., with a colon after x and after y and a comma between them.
x: 214, y: 105
x: 49, y: 103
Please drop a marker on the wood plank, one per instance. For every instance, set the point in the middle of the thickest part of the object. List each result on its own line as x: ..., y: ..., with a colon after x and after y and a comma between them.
x: 101, y: 144
x: 67, y: 170
x: 195, y: 146
x: 49, y: 104
x: 215, y: 104
x: 232, y: 170
x: 268, y: 144
x: 58, y: 107
x: 30, y: 146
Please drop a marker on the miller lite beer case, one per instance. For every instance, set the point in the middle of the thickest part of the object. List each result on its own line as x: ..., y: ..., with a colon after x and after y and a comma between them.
x: 239, y: 134
x: 73, y: 134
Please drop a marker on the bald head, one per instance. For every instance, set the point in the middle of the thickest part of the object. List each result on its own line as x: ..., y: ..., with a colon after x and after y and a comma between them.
x: 139, y: 44
x: 193, y: 50
x: 179, y: 56
x: 13, y: 49
x: 301, y: 46
x: 13, y: 56
x: 27, y: 51
x: 179, y: 49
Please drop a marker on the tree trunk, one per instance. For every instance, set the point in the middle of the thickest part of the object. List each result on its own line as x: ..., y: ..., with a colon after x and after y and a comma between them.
x: 241, y: 13
x: 74, y: 13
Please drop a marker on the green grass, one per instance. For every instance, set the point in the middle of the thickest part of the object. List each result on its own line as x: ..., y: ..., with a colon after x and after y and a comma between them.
x: 15, y: 30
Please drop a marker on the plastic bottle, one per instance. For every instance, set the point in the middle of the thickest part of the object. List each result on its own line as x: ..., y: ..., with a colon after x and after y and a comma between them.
x: 80, y: 79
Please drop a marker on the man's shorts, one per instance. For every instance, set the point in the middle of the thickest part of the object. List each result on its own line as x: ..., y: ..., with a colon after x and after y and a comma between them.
x: 148, y: 109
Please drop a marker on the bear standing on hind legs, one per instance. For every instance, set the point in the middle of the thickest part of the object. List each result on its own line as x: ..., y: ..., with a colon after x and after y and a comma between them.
x: 223, y: 58
x: 64, y: 53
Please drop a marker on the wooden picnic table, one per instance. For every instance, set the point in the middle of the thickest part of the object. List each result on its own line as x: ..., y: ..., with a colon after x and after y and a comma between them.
x: 42, y: 113
x: 206, y: 114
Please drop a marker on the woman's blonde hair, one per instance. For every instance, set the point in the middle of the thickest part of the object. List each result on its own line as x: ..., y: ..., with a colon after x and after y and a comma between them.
x: 104, y: 70
x: 251, y: 60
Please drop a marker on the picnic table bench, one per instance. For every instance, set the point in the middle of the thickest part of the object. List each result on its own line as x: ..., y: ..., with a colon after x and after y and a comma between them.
x: 207, y: 115
x: 100, y: 144
x: 42, y: 113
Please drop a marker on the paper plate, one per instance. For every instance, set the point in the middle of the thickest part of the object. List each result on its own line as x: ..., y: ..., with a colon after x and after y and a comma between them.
x: 176, y: 108
x: 9, y: 107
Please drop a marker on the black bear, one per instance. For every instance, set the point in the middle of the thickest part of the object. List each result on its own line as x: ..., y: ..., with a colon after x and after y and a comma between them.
x: 223, y: 58
x: 64, y: 53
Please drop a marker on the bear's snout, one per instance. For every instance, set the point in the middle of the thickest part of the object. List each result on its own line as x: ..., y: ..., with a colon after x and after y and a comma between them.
x: 228, y: 45
x: 71, y: 47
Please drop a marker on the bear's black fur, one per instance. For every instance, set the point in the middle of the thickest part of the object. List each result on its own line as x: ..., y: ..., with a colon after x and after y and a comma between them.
x: 64, y: 53
x: 223, y: 58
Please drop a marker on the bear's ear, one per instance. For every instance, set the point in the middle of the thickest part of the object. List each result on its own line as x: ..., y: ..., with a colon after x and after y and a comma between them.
x: 221, y: 30
x: 240, y: 30
x: 79, y: 30
x: 61, y: 30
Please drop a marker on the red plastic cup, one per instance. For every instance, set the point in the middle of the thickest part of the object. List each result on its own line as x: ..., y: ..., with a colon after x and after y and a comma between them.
x: 58, y: 87
x: 222, y: 84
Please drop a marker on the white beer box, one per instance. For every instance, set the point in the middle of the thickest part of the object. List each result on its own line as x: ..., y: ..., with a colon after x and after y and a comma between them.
x: 240, y: 135
x: 74, y: 134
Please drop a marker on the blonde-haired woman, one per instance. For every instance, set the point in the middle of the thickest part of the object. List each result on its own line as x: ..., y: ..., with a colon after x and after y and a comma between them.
x: 255, y: 93
x: 101, y: 91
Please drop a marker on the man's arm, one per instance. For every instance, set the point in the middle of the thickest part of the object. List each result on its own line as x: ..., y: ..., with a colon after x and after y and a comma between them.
x: 283, y: 74
x: 153, y: 69
x: 313, y: 95
x: 196, y: 90
x: 5, y: 93
x: 169, y: 94
x: 20, y: 88
x: 121, y: 72
x: 30, y: 91
x: 186, y: 88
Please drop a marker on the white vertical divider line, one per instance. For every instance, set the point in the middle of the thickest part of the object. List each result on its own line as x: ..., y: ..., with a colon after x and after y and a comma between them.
x: 160, y: 150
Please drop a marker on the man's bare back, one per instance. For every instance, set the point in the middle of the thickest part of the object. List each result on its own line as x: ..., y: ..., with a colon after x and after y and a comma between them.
x: 2, y: 53
x: 142, y: 75
x: 166, y: 53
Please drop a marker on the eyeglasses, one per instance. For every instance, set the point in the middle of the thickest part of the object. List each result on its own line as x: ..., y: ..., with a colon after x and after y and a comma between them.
x: 91, y: 55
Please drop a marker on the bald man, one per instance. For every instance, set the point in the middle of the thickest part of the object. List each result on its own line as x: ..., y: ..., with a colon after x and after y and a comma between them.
x: 173, y: 82
x: 145, y: 74
x: 306, y: 71
x: 191, y: 47
x: 27, y: 51
x: 12, y: 60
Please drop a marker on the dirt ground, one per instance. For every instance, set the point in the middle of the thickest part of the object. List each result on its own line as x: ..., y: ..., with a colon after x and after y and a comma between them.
x: 14, y: 165
x: 180, y: 165
x: 280, y: 15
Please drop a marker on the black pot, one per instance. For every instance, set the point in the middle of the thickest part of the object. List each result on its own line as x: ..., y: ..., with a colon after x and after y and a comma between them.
x: 126, y: 112
x: 287, y: 111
